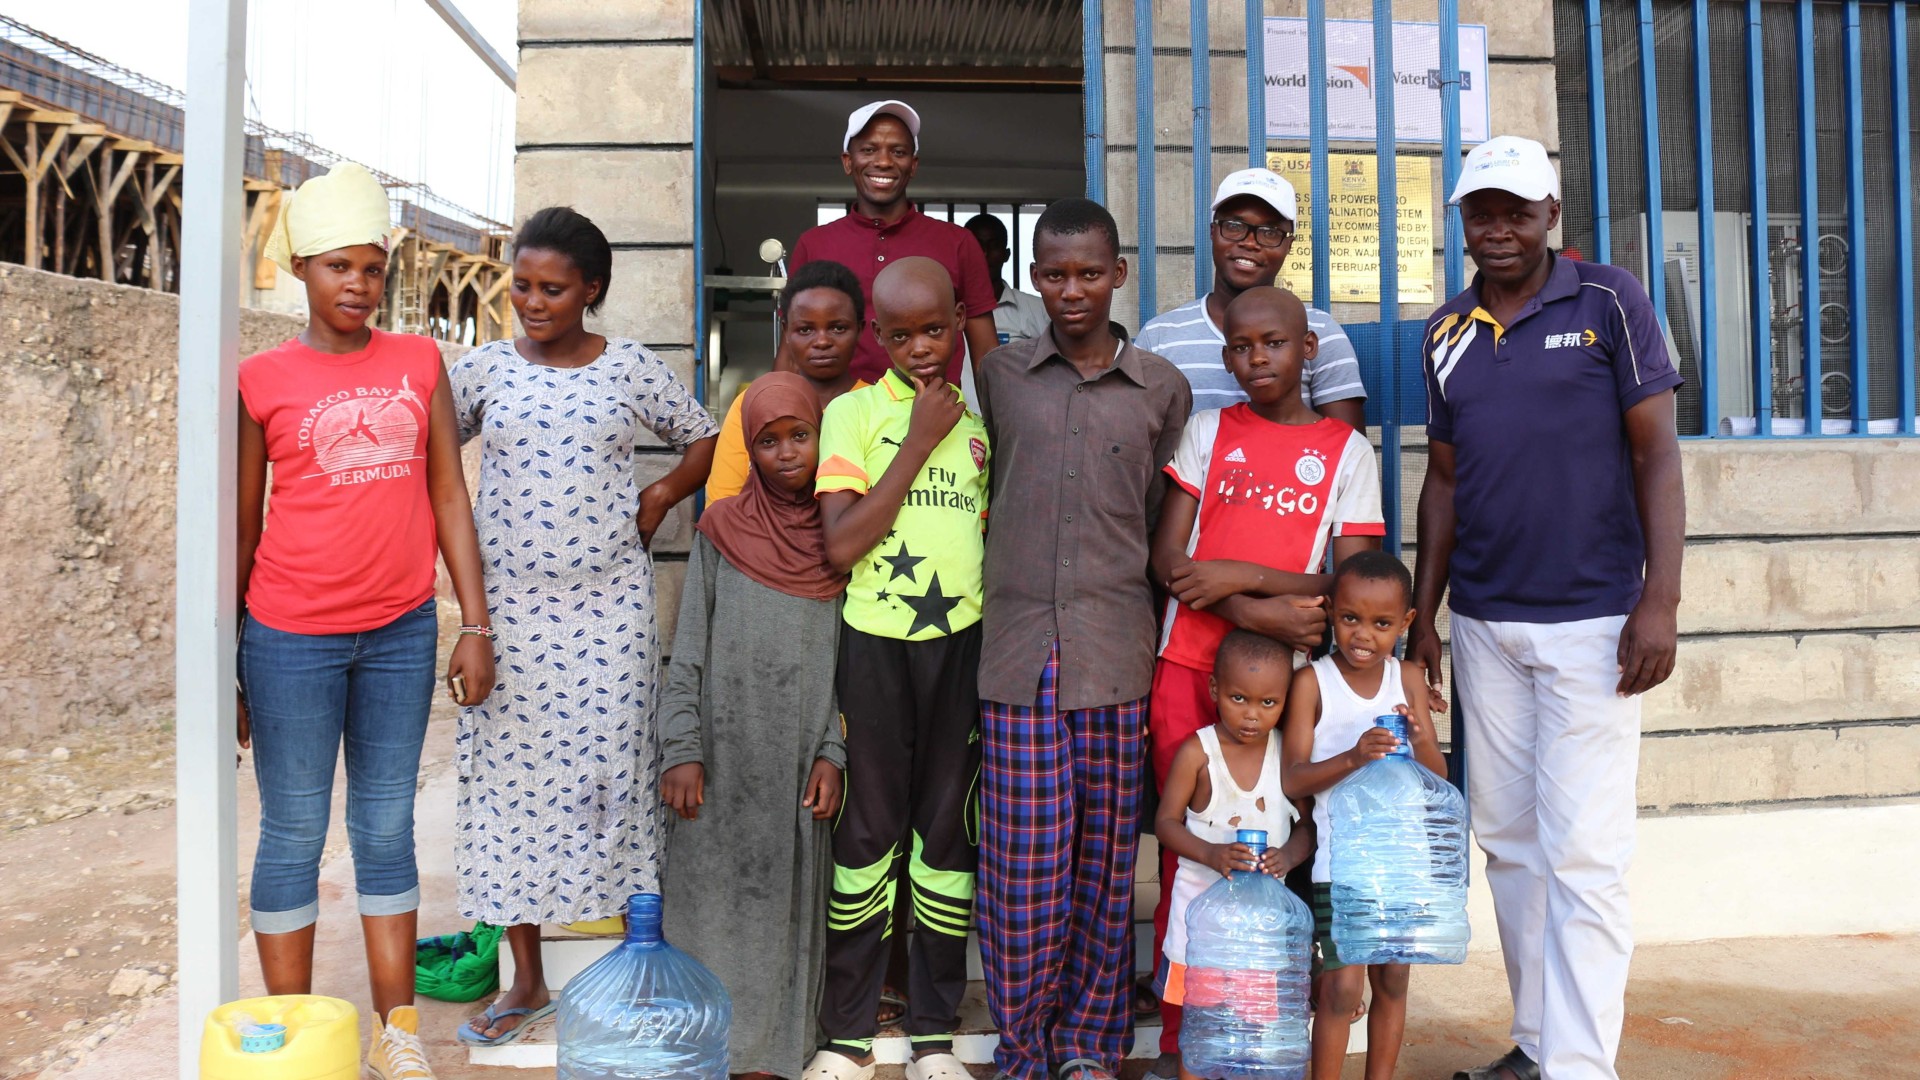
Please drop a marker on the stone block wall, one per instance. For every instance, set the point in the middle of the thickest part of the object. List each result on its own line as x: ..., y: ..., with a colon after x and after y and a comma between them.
x: 87, y: 475
x: 1799, y: 667
x: 604, y: 123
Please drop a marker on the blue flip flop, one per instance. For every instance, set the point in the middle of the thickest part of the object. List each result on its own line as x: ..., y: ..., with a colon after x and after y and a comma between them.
x: 468, y: 1036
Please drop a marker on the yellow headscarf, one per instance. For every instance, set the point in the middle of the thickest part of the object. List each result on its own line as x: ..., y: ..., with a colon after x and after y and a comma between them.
x: 345, y: 207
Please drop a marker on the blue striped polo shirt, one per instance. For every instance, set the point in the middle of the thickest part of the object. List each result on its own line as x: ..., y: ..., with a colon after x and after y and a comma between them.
x: 1187, y: 337
x: 1548, y: 522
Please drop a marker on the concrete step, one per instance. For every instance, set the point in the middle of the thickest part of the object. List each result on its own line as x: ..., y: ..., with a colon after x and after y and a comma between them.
x: 566, y: 954
x: 973, y: 1043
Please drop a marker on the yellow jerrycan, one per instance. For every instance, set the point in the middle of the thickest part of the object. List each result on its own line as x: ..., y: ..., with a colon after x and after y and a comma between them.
x: 295, y: 1037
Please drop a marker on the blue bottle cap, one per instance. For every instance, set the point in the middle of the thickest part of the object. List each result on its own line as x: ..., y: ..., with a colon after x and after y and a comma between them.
x: 1253, y: 838
x: 262, y: 1038
x: 1397, y: 724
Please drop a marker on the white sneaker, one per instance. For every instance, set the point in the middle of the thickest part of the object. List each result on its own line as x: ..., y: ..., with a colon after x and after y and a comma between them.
x: 396, y: 1053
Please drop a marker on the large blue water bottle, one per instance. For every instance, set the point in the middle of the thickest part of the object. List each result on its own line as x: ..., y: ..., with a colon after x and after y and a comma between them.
x: 1399, y: 863
x: 645, y: 1011
x: 1248, y: 964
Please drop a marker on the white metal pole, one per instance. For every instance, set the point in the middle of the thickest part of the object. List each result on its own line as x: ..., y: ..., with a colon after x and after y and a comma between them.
x: 474, y: 41
x: 204, y: 617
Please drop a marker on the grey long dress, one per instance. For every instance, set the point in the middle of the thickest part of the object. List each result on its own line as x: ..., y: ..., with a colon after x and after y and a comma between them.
x: 750, y: 696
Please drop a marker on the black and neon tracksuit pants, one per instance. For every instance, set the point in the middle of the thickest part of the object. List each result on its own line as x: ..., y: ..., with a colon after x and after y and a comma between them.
x: 912, y: 714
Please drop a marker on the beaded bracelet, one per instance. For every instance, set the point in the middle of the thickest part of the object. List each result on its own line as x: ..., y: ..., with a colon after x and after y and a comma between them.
x: 480, y: 631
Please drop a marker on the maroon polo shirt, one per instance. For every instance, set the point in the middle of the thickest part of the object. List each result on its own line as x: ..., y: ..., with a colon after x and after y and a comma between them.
x: 865, y: 246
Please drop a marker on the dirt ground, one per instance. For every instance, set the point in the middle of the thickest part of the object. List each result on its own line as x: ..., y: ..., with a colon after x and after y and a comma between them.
x: 86, y: 851
x: 87, y: 858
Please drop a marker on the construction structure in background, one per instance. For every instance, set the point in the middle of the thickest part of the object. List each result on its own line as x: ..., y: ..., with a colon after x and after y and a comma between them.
x: 90, y: 187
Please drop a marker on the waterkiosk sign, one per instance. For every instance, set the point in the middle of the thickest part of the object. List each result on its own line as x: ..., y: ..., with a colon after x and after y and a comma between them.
x: 1353, y: 211
x: 1353, y: 79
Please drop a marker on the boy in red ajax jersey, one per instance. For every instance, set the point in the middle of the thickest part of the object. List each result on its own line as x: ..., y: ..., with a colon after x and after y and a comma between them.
x: 1260, y: 490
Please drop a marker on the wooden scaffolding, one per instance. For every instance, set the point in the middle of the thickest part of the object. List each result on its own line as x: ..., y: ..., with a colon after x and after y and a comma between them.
x: 90, y: 187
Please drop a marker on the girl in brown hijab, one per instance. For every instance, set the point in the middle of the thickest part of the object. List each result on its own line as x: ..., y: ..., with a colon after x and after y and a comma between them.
x: 751, y: 742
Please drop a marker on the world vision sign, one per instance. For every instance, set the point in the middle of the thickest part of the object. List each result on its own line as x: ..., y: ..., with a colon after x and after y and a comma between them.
x: 1353, y: 80
x: 1353, y: 241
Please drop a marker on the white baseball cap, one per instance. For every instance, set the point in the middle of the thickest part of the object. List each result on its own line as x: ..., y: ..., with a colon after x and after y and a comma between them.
x: 1508, y: 163
x: 858, y: 119
x: 1263, y: 184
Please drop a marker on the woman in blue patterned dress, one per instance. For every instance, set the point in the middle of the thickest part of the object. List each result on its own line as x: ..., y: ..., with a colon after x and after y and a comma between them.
x: 559, y: 813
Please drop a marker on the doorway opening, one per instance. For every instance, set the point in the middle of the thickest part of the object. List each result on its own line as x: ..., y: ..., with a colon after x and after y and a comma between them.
x: 998, y: 90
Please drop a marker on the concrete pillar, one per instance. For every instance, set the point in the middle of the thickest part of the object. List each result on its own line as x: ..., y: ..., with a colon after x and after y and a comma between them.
x: 605, y: 125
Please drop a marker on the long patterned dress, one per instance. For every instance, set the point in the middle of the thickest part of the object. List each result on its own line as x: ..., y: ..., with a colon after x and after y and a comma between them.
x: 559, y: 815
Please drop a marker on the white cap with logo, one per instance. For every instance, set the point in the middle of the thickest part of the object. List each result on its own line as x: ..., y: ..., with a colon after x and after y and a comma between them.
x: 1508, y: 163
x: 1263, y: 184
x: 858, y: 120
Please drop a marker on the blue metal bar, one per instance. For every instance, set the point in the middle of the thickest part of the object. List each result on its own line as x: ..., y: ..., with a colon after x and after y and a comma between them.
x: 1320, y: 199
x: 1809, y: 219
x: 1656, y: 249
x: 1450, y: 143
x: 1202, y: 144
x: 1093, y: 96
x: 1256, y: 84
x: 1856, y: 215
x: 1143, y: 153
x: 1709, y: 331
x: 1387, y: 201
x: 1759, y: 264
x: 1597, y: 136
x: 701, y: 300
x: 1902, y: 218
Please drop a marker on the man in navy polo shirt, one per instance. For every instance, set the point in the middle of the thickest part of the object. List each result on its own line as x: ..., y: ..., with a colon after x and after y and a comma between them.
x: 1553, y: 505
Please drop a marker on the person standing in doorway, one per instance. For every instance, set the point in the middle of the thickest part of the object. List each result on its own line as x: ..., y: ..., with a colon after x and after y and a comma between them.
x: 1017, y: 315
x: 1081, y: 422
x: 881, y: 153
x: 1553, y: 507
x: 823, y: 311
x: 1252, y: 234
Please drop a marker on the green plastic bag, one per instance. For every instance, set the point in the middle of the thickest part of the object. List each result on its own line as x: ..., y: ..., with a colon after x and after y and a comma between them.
x: 458, y: 967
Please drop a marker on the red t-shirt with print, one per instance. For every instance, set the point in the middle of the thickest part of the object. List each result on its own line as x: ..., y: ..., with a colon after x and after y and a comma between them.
x: 1272, y: 494
x: 350, y: 540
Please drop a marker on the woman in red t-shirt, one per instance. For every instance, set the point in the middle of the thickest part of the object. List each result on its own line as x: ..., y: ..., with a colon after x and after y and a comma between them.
x: 339, y: 634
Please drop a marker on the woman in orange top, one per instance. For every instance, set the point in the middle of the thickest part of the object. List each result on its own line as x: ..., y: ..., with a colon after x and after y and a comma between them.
x: 825, y: 315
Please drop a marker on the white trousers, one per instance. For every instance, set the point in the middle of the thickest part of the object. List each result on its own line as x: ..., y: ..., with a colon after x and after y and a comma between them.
x: 1553, y: 754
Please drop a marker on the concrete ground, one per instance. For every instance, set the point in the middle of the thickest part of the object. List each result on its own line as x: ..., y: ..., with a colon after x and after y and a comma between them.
x: 1768, y: 1009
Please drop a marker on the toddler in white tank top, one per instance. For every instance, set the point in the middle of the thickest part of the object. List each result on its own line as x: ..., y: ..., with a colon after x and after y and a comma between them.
x: 1330, y: 735
x: 1225, y: 778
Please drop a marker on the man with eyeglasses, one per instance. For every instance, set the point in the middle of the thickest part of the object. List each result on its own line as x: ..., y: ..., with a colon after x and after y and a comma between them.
x: 1253, y: 215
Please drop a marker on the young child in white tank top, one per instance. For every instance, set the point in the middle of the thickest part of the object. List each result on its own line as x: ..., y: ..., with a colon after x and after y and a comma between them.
x: 1225, y: 778
x: 1330, y: 735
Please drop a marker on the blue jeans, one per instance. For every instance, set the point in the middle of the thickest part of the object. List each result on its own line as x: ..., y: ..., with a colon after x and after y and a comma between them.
x: 306, y: 694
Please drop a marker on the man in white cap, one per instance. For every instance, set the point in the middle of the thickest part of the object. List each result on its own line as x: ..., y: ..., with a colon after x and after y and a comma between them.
x: 881, y: 152
x: 1252, y: 234
x: 1553, y: 506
